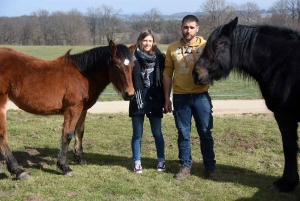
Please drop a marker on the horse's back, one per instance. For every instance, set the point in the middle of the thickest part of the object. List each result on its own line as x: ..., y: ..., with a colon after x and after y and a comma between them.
x: 276, y: 55
x: 40, y: 86
x: 9, y: 53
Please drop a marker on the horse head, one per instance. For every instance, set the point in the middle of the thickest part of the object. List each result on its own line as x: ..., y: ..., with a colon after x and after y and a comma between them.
x: 215, y: 62
x: 120, y: 70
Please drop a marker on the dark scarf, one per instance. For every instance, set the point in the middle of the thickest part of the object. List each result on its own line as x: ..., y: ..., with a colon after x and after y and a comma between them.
x: 149, y: 63
x: 141, y: 77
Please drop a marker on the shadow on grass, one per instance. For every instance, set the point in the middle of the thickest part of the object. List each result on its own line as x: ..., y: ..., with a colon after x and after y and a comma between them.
x: 42, y: 158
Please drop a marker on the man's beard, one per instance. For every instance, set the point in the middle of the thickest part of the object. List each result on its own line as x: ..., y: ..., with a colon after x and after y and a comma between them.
x: 188, y: 37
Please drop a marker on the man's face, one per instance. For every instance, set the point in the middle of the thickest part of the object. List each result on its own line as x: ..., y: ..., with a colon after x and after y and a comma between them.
x: 189, y: 30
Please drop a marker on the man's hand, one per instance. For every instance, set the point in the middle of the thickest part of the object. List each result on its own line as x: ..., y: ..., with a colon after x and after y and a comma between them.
x: 168, y: 106
x: 167, y: 91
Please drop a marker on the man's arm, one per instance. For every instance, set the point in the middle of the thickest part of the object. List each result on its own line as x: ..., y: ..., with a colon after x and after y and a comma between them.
x: 167, y: 81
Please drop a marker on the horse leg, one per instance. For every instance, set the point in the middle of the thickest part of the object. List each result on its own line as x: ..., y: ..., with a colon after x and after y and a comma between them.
x: 71, y: 116
x: 11, y: 162
x: 79, y: 131
x: 290, y: 178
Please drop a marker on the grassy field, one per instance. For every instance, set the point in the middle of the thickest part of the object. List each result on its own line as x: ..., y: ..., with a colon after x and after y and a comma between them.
x: 248, y: 152
x: 234, y: 87
x: 248, y: 161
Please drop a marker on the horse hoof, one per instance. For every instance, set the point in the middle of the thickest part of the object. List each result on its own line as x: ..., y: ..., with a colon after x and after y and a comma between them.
x: 274, y: 189
x: 79, y: 160
x: 70, y: 174
x: 23, y: 175
x: 82, y: 162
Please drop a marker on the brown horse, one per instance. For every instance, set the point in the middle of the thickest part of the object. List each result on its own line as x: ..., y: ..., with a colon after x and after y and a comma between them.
x: 68, y: 85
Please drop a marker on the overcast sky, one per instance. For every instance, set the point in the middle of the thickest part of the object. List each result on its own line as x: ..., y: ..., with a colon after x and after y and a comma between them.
x: 12, y: 8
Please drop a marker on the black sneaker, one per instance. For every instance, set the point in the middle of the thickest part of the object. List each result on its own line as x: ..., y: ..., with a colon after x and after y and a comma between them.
x: 161, y: 167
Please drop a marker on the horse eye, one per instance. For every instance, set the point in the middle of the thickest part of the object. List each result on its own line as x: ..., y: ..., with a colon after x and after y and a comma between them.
x: 216, y: 45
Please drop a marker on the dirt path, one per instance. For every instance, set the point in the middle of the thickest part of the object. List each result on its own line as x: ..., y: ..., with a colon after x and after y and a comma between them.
x: 220, y: 107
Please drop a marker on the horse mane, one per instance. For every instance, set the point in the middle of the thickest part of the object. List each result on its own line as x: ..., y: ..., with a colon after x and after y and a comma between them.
x: 123, y: 52
x: 242, y: 42
x: 89, y: 59
x: 96, y: 57
x: 244, y: 38
x: 279, y: 32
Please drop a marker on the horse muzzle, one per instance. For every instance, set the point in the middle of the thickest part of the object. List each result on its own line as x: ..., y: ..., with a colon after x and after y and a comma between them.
x: 126, y: 96
x: 200, y: 78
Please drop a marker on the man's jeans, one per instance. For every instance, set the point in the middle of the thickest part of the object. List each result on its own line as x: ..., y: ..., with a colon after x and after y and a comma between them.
x: 137, y: 125
x: 200, y: 107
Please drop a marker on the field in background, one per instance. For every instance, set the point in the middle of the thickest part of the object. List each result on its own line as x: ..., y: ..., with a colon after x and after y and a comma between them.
x: 234, y: 87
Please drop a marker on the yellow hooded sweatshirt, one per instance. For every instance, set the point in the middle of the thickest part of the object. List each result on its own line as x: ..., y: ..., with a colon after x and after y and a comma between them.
x: 179, y: 64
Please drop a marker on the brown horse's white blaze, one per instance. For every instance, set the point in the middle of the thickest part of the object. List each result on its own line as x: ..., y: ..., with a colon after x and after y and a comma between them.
x: 68, y: 85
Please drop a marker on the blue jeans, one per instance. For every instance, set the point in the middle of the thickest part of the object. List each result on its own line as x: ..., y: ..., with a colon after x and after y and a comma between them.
x: 200, y: 107
x: 137, y: 125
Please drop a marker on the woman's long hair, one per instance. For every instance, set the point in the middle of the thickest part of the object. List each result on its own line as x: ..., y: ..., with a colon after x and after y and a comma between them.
x: 140, y: 39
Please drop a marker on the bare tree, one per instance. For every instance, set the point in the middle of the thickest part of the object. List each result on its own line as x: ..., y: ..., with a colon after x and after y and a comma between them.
x: 72, y: 27
x: 43, y: 23
x: 92, y: 19
x: 7, y: 31
x: 219, y: 12
x: 298, y: 10
x: 171, y: 31
x: 37, y: 35
x: 153, y: 19
x: 292, y: 8
x: 250, y: 13
x: 56, y: 28
x: 109, y: 22
x: 137, y: 23
x: 25, y: 30
x: 280, y: 13
x: 216, y: 12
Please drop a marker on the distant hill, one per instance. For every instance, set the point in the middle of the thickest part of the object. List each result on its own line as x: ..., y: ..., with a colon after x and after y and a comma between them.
x: 179, y: 15
x: 172, y: 16
x: 182, y: 14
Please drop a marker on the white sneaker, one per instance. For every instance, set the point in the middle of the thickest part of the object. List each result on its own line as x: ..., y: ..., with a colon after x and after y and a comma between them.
x: 138, y: 168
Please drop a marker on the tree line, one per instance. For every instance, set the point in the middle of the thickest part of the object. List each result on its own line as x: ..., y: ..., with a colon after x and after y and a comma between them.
x: 100, y: 24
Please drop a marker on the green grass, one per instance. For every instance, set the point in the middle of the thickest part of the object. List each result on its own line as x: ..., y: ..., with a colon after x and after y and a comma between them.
x: 234, y: 87
x: 248, y: 154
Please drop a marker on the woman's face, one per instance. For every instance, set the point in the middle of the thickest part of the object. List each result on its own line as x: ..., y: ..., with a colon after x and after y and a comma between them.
x: 147, y: 43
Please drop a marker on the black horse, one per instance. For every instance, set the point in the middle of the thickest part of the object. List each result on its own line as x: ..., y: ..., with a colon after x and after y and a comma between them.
x: 270, y: 55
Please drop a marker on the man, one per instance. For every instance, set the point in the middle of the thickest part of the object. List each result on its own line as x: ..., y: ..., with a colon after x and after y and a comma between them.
x: 189, y: 99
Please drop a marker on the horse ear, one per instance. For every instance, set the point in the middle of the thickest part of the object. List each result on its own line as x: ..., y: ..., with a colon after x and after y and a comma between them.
x: 132, y: 48
x: 112, y: 48
x: 228, y: 28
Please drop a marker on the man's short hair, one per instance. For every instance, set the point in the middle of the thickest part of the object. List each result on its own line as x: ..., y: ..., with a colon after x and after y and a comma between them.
x: 189, y: 18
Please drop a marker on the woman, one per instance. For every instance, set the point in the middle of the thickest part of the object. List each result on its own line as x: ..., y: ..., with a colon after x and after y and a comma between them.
x: 148, y: 99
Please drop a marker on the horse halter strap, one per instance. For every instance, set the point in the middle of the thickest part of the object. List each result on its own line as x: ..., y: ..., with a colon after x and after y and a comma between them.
x: 184, y: 55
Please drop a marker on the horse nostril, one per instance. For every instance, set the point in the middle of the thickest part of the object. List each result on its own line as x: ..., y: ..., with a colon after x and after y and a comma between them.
x: 195, y: 75
x: 128, y: 96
